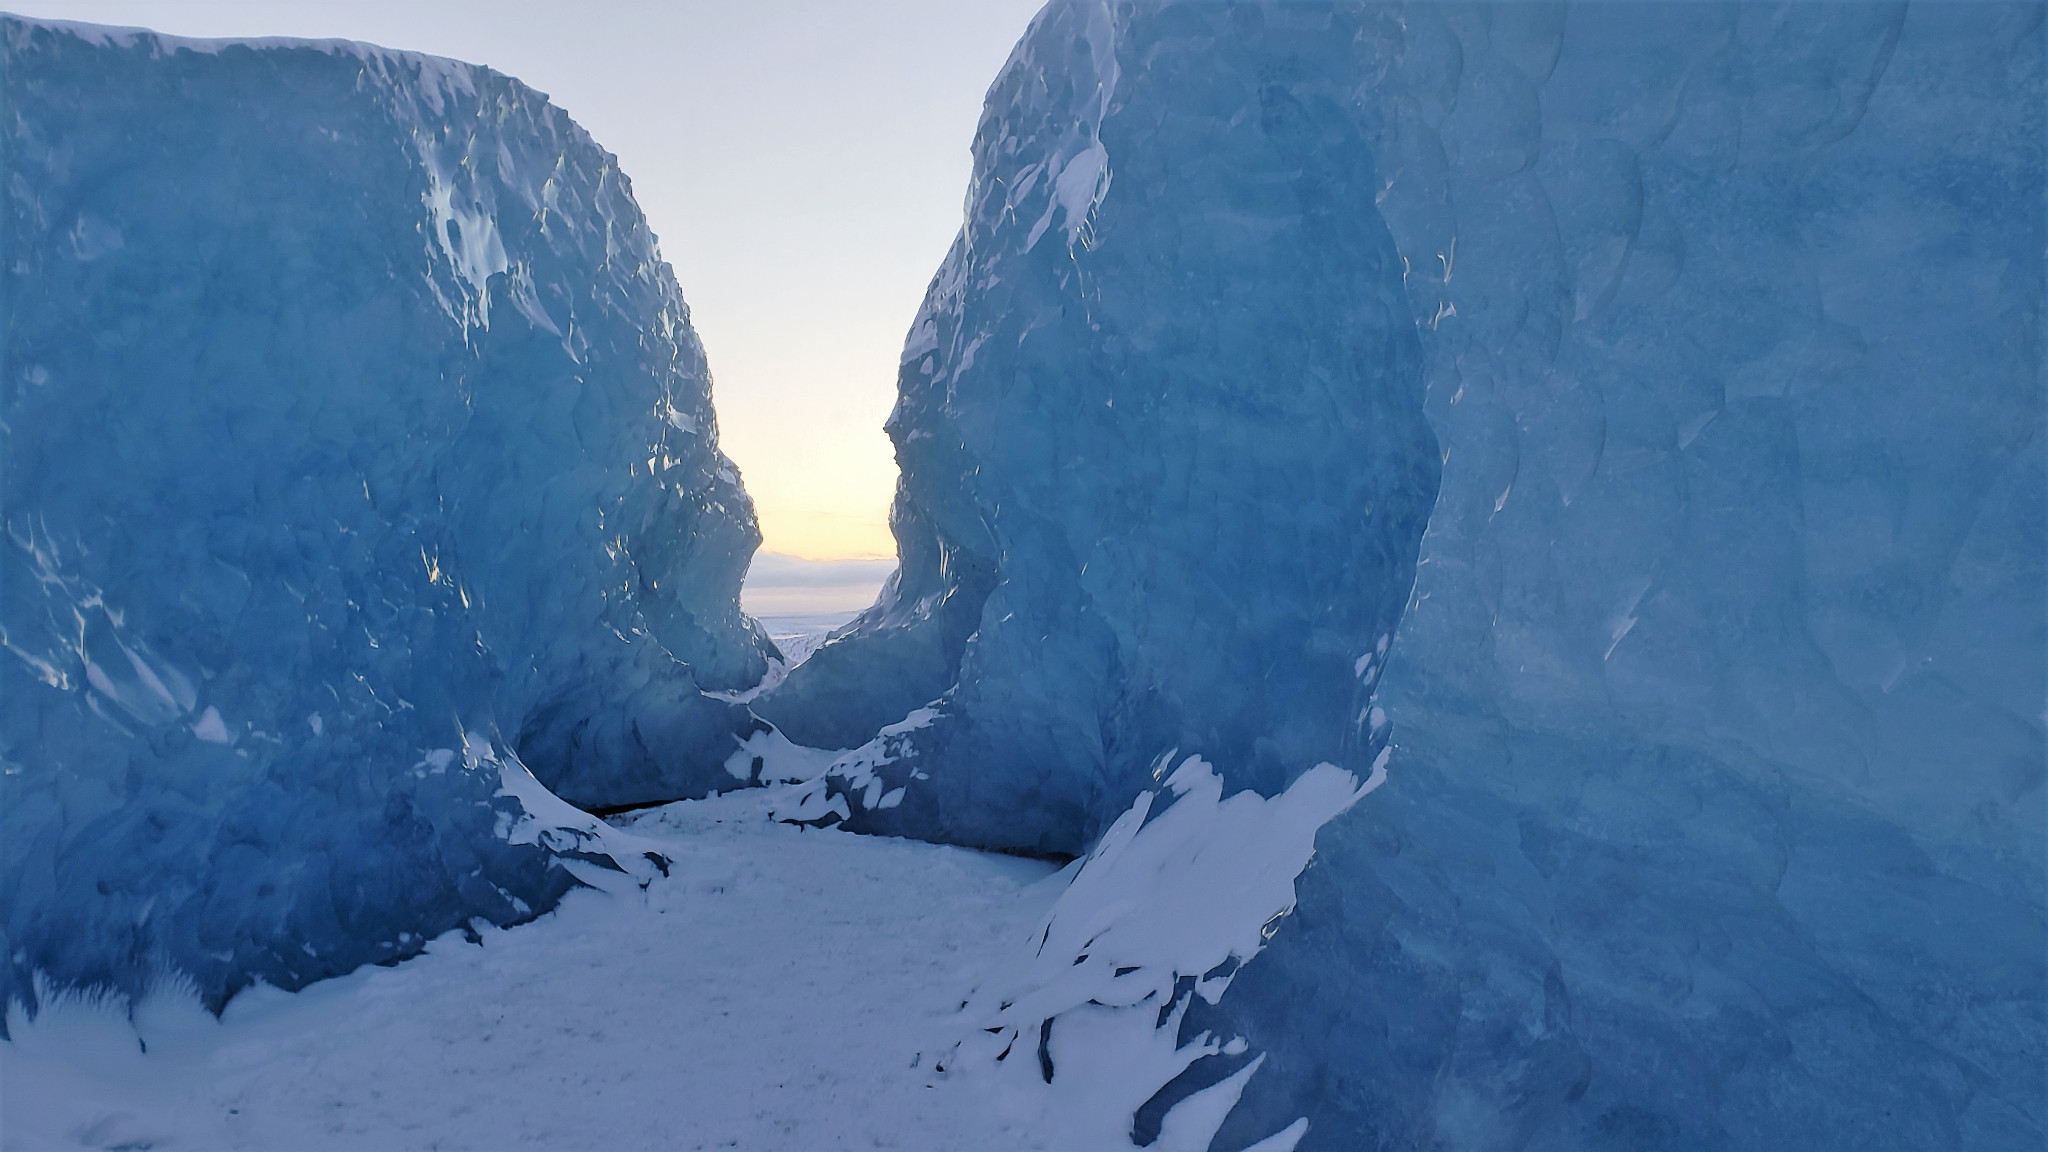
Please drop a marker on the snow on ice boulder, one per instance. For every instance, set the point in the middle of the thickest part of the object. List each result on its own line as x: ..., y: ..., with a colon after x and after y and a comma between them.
x: 1714, y: 814
x: 359, y: 457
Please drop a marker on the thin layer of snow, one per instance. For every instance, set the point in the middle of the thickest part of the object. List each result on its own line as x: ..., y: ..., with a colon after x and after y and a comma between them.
x: 771, y: 758
x: 549, y: 820
x: 120, y: 36
x: 799, y: 636
x: 1082, y: 162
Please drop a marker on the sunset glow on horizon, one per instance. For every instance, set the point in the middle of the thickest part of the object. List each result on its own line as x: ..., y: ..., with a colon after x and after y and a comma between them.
x: 802, y: 166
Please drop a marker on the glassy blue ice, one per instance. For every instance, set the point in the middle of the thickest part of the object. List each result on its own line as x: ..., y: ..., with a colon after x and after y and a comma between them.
x: 1665, y: 381
x: 1161, y: 425
x: 1611, y: 434
x: 359, y: 457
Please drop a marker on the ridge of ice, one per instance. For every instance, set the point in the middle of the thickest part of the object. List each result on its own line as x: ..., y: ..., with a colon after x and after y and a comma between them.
x: 288, y: 501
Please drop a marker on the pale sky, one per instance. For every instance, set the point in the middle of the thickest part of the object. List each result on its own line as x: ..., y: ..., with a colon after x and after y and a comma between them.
x: 803, y: 163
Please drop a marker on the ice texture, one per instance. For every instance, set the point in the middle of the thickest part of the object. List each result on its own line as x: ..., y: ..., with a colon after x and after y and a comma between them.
x: 1715, y: 813
x: 359, y: 457
x: 1181, y: 891
x: 1163, y: 450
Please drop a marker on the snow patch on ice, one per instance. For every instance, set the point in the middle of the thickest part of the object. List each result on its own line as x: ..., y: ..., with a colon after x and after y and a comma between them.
x: 769, y: 757
x: 467, y: 236
x: 827, y: 970
x: 857, y: 772
x: 211, y: 728
x: 1083, y: 1029
x: 553, y: 823
x: 1081, y: 161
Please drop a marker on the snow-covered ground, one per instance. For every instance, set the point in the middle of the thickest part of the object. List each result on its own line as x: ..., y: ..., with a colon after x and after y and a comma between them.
x: 799, y: 636
x: 782, y: 987
x: 785, y: 988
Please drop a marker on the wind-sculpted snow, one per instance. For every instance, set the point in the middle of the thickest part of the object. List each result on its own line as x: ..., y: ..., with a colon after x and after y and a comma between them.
x: 1715, y: 812
x: 359, y: 457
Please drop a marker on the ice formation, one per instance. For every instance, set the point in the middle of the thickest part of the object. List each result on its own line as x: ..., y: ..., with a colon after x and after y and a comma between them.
x: 1715, y: 691
x: 359, y: 458
x: 1163, y: 446
x: 1614, y: 433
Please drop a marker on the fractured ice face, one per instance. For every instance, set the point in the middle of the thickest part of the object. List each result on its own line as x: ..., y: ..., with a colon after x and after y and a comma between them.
x: 1715, y: 810
x: 351, y: 419
x: 1164, y: 453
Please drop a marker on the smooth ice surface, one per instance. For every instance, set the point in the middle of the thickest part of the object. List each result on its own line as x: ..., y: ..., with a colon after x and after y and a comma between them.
x: 359, y: 457
x: 1714, y: 815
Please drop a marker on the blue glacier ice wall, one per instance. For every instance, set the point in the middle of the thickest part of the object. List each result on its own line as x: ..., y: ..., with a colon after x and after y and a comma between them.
x: 1715, y: 817
x: 1163, y: 449
x: 356, y: 443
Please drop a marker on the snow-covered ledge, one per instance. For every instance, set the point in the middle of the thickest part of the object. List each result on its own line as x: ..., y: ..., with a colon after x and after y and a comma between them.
x: 1083, y: 1028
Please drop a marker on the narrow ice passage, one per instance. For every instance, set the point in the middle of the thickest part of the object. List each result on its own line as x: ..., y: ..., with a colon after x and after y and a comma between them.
x: 780, y: 987
x: 1619, y: 428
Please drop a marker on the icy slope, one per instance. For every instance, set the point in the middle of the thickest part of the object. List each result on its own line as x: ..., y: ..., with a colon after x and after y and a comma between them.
x: 355, y: 440
x: 1715, y: 810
